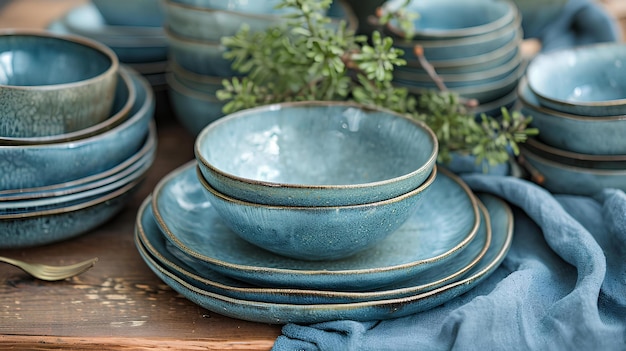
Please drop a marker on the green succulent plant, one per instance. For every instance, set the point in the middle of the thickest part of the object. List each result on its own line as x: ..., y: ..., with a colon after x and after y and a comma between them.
x: 307, y: 58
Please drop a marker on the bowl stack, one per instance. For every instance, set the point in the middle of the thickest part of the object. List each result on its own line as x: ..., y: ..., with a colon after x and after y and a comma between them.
x: 314, y: 211
x: 577, y: 99
x: 194, y: 29
x: 132, y: 29
x: 474, y: 46
x: 75, y: 138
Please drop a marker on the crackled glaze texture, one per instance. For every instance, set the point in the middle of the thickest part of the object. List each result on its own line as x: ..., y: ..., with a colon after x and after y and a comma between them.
x: 51, y: 85
x: 267, y: 312
x: 315, y: 154
x: 438, y: 231
x: 42, y: 165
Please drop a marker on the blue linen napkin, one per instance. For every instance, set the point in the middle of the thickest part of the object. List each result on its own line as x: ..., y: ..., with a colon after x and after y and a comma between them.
x: 562, y: 286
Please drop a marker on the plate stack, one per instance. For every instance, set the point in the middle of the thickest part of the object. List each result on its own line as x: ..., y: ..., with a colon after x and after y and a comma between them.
x: 295, y: 235
x: 473, y: 45
x: 76, y: 136
x: 194, y: 30
x: 577, y: 99
x: 132, y: 29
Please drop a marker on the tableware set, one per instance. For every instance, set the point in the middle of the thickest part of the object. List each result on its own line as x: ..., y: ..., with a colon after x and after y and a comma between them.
x: 60, y: 178
x: 576, y: 99
x: 194, y: 30
x: 474, y: 47
x: 449, y: 241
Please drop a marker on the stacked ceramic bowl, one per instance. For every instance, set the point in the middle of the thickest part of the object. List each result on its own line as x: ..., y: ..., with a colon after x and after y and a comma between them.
x: 473, y: 45
x: 75, y: 136
x: 317, y: 211
x: 194, y: 29
x: 132, y: 29
x: 577, y: 99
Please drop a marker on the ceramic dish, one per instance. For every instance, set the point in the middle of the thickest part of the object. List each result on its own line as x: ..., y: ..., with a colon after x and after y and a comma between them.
x: 437, y: 232
x: 169, y: 256
x: 278, y: 313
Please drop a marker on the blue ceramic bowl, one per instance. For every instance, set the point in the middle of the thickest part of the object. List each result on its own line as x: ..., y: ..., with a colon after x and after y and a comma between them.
x: 201, y: 82
x: 147, y: 13
x: 48, y: 164
x: 582, y: 134
x: 439, y: 19
x: 615, y: 162
x: 586, y: 80
x: 564, y: 178
x: 194, y: 109
x: 53, y: 84
x: 315, y: 153
x: 125, y: 96
x: 264, y: 7
x: 316, y: 233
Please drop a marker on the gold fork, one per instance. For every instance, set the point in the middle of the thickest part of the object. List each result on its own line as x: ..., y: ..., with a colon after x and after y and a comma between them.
x: 51, y: 273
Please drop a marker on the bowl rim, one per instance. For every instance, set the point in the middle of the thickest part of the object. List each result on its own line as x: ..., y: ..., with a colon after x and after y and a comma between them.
x: 526, y: 152
x: 576, y: 156
x: 428, y: 164
x: 549, y: 57
x: 114, y: 64
x: 174, y: 84
x: 110, y: 122
x: 508, y: 16
x: 181, y: 72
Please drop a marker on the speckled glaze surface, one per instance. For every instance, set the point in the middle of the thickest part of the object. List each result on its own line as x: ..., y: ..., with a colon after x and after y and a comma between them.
x: 561, y: 178
x: 280, y: 313
x: 583, y: 134
x: 317, y: 233
x: 453, y: 19
x: 193, y: 109
x: 315, y: 154
x: 199, y: 56
x: 586, y: 80
x: 123, y: 101
x: 169, y: 256
x: 141, y: 13
x: 52, y: 84
x: 190, y: 222
x: 22, y: 165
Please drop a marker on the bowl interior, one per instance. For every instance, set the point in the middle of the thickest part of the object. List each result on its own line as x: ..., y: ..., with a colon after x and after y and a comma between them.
x: 316, y: 145
x: 32, y: 60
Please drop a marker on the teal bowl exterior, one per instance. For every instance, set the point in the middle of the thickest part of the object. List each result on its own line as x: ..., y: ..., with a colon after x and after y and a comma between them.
x: 53, y: 84
x: 265, y: 7
x: 42, y: 165
x: 199, y: 56
x: 582, y: 134
x: 586, y: 80
x: 316, y: 233
x: 140, y: 13
x: 201, y: 82
x: 316, y: 153
x: 194, y: 109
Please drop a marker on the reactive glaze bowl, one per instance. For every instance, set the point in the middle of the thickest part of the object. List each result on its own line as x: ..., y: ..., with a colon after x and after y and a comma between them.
x: 316, y: 233
x: 41, y: 165
x: 199, y: 56
x: 586, y: 80
x: 53, y: 84
x: 582, y: 134
x: 194, y: 109
x: 315, y: 153
x: 124, y: 99
x: 265, y: 7
x: 139, y: 13
x: 204, y: 83
x: 439, y: 19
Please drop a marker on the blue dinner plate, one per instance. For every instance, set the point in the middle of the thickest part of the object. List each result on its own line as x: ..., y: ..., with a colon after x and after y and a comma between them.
x: 150, y: 239
x: 438, y: 231
x: 278, y: 313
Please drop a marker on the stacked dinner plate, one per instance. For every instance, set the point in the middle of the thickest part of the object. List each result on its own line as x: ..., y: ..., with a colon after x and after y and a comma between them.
x: 194, y: 29
x: 474, y: 46
x: 442, y: 251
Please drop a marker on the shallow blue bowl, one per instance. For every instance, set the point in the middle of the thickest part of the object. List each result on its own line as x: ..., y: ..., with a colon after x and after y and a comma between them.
x: 316, y: 233
x: 147, y: 13
x: 440, y: 19
x: 586, y: 80
x: 41, y: 165
x: 316, y: 153
x: 52, y: 84
x: 583, y: 134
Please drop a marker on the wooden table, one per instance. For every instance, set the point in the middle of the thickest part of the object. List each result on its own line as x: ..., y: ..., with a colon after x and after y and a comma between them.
x: 119, y: 303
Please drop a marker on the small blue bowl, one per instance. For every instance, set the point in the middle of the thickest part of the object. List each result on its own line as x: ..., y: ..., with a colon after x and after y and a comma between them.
x: 316, y: 233
x: 586, y: 80
x: 582, y: 134
x: 316, y: 153
x: 52, y: 84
